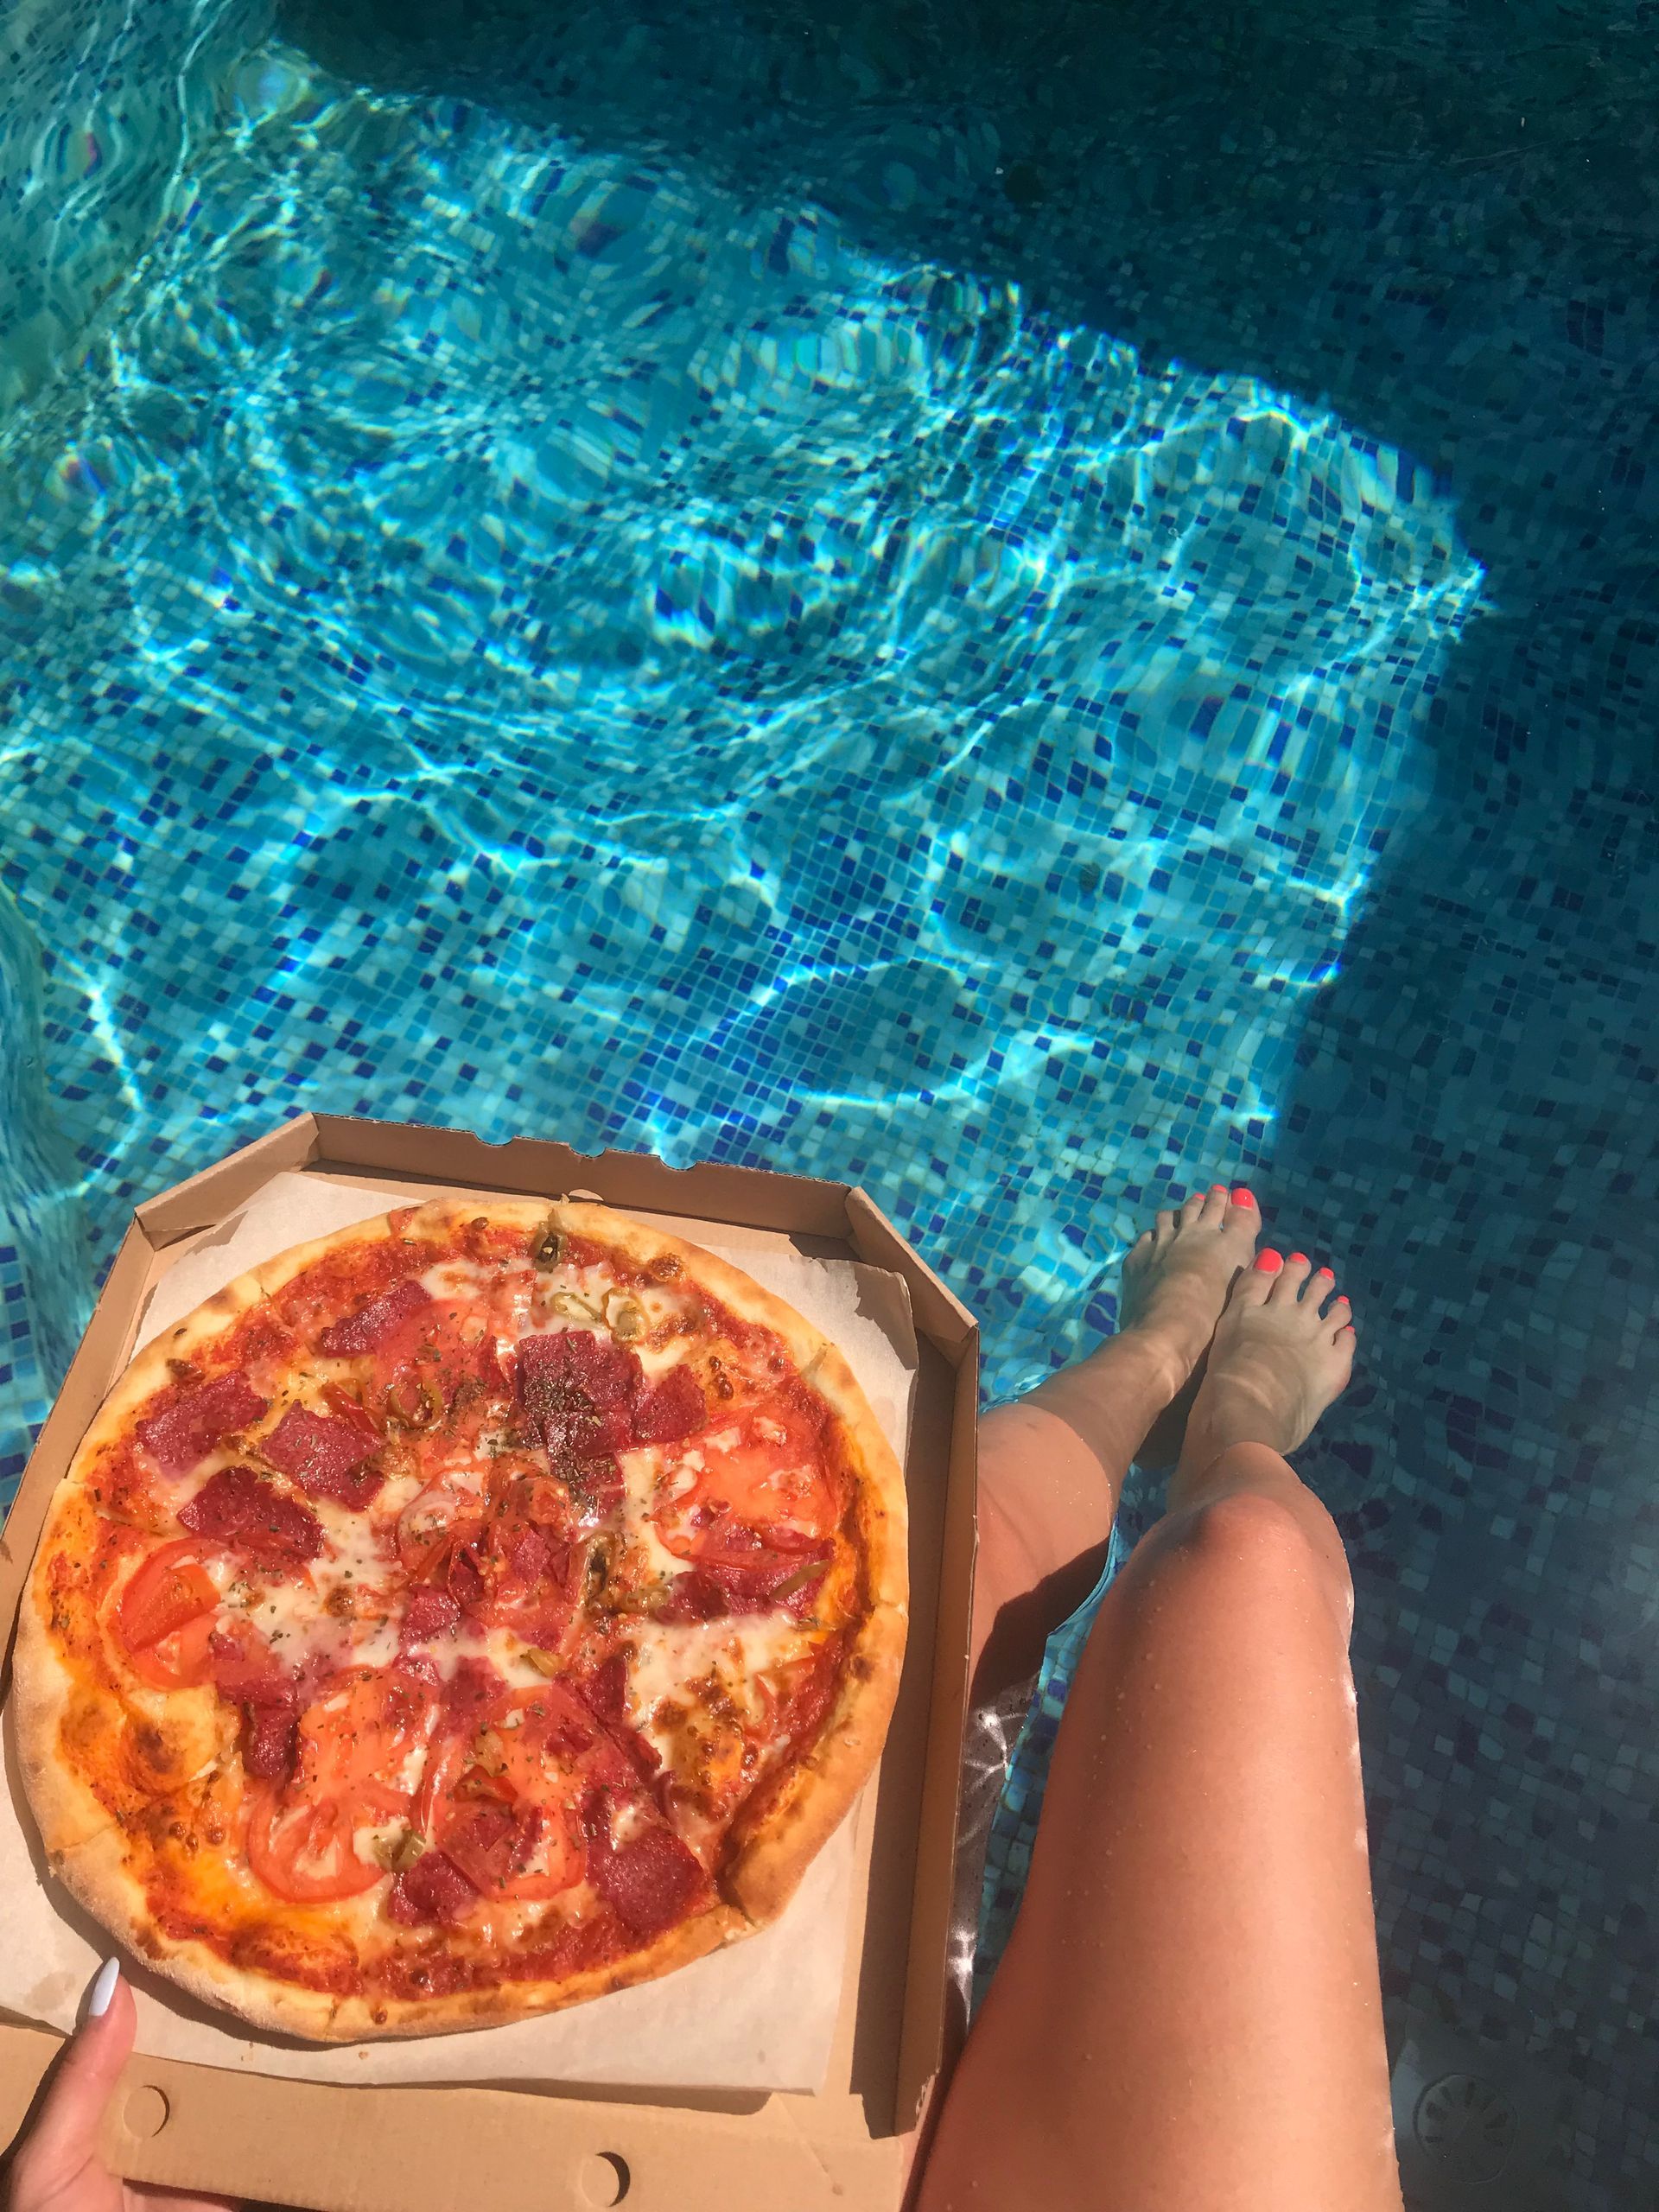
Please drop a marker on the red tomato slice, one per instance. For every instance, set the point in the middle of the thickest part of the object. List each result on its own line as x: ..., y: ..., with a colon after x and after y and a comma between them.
x: 165, y: 1616
x: 356, y: 1740
x: 445, y: 1513
x: 303, y: 1851
x: 354, y: 1743
x: 182, y: 1661
x: 548, y: 1738
x: 517, y: 1854
x: 504, y: 1804
x: 764, y: 1488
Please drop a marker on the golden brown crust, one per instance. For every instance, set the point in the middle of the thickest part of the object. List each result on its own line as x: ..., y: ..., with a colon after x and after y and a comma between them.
x: 42, y: 1691
x: 767, y: 1868
x: 99, y: 1875
x: 100, y: 1856
x: 883, y: 1507
x: 517, y: 2000
x: 140, y: 1744
x: 432, y: 1220
x: 818, y: 1795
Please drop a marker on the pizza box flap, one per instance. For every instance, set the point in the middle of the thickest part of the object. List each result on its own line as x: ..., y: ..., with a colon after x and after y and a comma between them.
x: 391, y: 2149
x: 201, y: 1200
x: 410, y: 2148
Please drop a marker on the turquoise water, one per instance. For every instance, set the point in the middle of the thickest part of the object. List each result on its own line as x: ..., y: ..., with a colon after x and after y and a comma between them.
x: 519, y: 634
x: 1025, y: 608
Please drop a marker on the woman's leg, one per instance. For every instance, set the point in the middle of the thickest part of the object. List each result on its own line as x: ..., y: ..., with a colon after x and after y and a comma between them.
x: 1052, y: 1467
x: 1188, y: 2016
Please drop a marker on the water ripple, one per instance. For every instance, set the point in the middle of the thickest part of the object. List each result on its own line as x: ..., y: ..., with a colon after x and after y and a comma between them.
x: 505, y: 631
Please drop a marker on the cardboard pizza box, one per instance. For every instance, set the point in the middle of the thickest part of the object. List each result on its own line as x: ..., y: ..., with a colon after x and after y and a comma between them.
x: 431, y: 2148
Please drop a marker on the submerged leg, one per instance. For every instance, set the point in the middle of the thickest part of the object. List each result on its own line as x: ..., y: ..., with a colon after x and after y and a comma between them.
x: 1051, y: 1466
x: 1188, y: 2017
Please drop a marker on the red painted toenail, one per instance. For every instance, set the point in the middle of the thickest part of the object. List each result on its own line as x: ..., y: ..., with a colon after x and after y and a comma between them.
x: 1326, y: 1271
x: 1299, y: 1259
x: 1242, y: 1198
x: 1267, y: 1264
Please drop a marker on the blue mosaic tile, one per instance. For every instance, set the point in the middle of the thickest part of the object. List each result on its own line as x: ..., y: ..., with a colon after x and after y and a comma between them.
x: 1024, y: 608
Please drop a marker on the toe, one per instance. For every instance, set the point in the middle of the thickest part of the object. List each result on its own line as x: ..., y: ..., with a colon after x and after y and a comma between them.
x: 1256, y: 1283
x: 1321, y: 1283
x: 1242, y: 1213
x: 1166, y: 1226
x: 1215, y: 1206
x: 1339, y: 1320
x: 1193, y: 1208
x: 1291, y: 1276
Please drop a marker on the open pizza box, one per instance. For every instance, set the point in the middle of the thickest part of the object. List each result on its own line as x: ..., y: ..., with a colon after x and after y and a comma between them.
x: 544, y: 2142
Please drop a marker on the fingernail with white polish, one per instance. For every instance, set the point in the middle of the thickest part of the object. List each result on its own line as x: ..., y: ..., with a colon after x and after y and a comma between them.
x: 98, y: 2003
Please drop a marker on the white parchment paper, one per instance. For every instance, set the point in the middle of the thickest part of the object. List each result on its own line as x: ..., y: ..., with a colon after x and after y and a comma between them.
x: 758, y: 2015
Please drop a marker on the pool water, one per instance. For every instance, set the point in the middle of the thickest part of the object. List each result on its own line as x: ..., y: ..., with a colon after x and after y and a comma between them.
x: 1026, y: 607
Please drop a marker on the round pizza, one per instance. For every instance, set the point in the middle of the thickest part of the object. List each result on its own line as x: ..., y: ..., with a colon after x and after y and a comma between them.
x: 478, y: 1610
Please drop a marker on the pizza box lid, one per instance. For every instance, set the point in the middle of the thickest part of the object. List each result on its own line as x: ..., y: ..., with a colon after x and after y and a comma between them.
x: 342, y: 2149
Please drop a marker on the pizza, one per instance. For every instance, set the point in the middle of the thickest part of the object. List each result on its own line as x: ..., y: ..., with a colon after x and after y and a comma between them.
x: 480, y: 1609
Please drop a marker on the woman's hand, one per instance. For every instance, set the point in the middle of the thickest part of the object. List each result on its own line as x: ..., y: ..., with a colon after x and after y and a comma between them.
x: 57, y: 2167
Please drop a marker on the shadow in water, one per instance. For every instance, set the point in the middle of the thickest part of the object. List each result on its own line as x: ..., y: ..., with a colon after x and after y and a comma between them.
x: 1426, y: 219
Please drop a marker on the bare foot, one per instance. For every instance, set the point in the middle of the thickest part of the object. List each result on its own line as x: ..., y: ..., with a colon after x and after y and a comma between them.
x: 1282, y: 1351
x: 1177, y: 1276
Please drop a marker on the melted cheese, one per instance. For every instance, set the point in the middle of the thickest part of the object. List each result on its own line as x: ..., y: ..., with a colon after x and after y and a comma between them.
x: 227, y: 1575
x: 657, y: 1359
x: 373, y: 1643
x: 355, y: 1549
x: 408, y: 1777
x: 388, y: 1834
x: 666, y: 1657
x: 391, y: 1832
x: 641, y: 1471
x: 505, y: 1653
x: 509, y: 1299
x: 395, y: 1494
x: 293, y: 1614
x: 523, y: 1302
x: 625, y: 1821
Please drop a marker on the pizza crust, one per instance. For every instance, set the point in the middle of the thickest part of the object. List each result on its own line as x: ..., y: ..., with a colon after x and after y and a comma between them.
x: 709, y: 1931
x: 820, y: 1791
x: 66, y: 1811
x: 178, y: 1736
x: 883, y: 1507
x: 767, y: 1870
x: 638, y: 1243
x: 97, y: 1876
x: 431, y: 1219
x: 644, y: 1246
